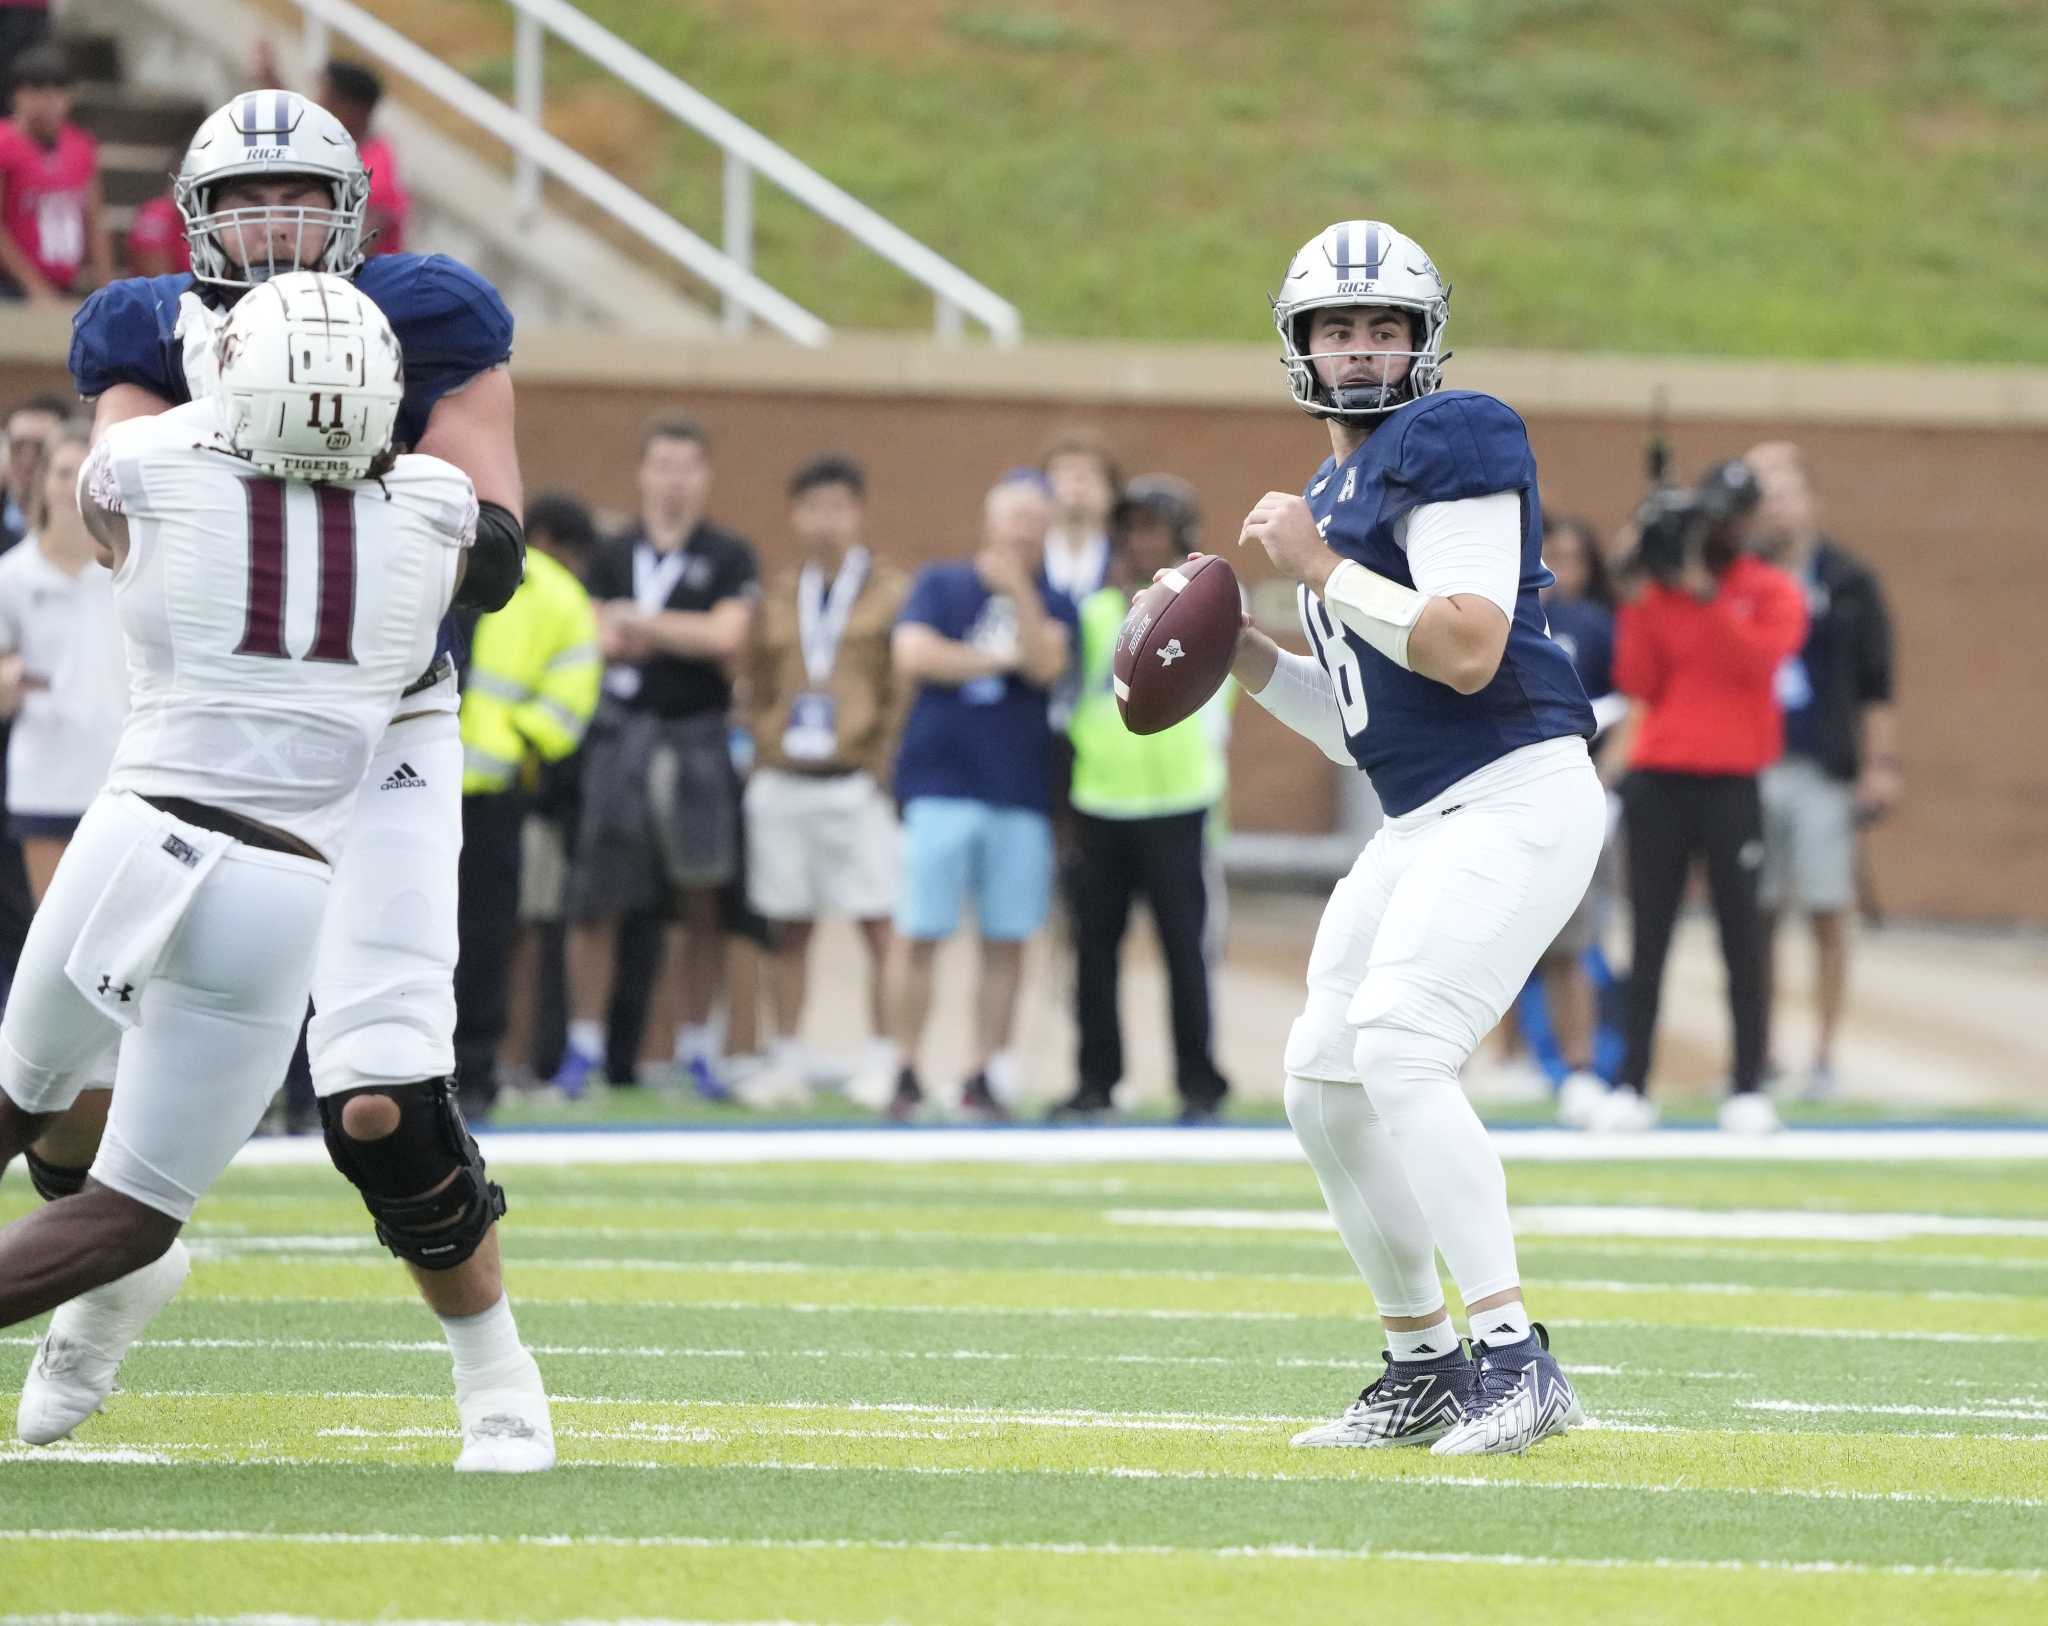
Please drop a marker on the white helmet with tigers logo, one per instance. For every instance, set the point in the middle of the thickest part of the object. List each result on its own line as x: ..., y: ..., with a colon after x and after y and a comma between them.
x: 1364, y: 263
x: 271, y: 135
x: 311, y: 376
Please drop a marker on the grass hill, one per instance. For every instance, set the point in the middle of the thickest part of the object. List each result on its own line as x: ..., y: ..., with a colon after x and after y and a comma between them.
x: 1798, y: 178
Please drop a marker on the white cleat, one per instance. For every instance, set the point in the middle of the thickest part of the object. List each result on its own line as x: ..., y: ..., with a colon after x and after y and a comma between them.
x: 506, y: 1431
x: 1579, y: 1098
x: 80, y: 1355
x: 1749, y: 1113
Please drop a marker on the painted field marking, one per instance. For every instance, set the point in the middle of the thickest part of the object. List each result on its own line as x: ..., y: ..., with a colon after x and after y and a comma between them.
x: 948, y: 1144
x: 355, y: 1538
x: 1756, y: 1224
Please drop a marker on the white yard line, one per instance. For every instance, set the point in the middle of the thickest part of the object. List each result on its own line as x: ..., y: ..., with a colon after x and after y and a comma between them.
x: 1593, y: 1220
x: 350, y: 1538
x: 944, y: 1144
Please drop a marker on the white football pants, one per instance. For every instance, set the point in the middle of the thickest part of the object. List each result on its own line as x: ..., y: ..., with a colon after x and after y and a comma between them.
x: 217, y: 1019
x: 1423, y: 946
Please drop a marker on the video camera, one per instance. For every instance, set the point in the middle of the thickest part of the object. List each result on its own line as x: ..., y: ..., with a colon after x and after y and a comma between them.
x: 1676, y: 524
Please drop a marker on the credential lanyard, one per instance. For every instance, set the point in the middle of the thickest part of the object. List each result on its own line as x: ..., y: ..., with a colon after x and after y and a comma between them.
x: 821, y: 616
x: 655, y: 575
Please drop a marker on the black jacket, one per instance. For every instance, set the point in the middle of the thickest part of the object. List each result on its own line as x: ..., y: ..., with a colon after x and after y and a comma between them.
x: 1848, y: 652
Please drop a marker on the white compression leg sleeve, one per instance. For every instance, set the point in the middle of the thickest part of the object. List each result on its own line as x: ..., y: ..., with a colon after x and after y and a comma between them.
x: 1367, y: 1191
x: 1452, y: 1167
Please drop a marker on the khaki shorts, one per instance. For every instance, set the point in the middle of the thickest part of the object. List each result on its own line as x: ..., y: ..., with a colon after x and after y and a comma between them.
x: 1809, y: 839
x: 820, y: 846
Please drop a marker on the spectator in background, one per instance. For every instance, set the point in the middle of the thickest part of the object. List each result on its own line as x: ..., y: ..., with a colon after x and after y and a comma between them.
x: 983, y: 641
x: 1141, y: 812
x: 1579, y: 606
x: 24, y: 25
x: 1841, y: 763
x: 824, y: 708
x: 28, y: 427
x: 63, y: 676
x: 1698, y: 644
x: 659, y: 828
x: 1082, y: 471
x: 156, y: 245
x: 528, y: 693
x: 536, y: 975
x: 351, y: 93
x: 53, y: 214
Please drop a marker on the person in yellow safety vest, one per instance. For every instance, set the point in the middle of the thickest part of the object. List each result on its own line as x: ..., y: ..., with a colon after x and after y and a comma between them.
x: 528, y: 695
x: 1144, y: 811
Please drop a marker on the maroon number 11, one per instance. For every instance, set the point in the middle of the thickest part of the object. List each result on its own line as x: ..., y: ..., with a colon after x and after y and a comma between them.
x: 334, y: 620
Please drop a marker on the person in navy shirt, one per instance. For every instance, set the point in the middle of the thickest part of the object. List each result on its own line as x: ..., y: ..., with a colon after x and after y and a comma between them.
x: 984, y: 641
x: 272, y: 183
x: 1417, y: 549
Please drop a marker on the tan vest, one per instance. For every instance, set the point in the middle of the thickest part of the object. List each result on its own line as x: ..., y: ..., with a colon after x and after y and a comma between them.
x: 868, y: 701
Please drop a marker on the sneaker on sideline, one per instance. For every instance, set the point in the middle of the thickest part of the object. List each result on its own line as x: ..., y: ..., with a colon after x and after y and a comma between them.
x: 1623, y: 1112
x: 1749, y: 1113
x: 1579, y: 1098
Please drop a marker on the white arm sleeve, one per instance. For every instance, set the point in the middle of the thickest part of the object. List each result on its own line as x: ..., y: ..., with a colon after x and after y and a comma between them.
x: 1473, y: 545
x: 1301, y: 695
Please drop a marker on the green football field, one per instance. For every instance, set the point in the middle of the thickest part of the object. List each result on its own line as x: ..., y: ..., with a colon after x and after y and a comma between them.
x: 997, y: 1391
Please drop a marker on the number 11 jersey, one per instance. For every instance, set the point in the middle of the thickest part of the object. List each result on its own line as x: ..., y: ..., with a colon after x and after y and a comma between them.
x: 271, y: 625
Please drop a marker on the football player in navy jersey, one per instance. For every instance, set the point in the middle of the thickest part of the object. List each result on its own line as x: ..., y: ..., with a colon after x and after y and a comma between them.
x: 1416, y: 546
x: 272, y: 182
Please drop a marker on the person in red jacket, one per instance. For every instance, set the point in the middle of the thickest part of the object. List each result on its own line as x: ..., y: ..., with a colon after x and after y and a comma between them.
x: 1698, y: 646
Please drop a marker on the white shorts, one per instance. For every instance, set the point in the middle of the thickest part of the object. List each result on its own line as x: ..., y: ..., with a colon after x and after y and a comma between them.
x: 384, y: 987
x: 1809, y: 839
x: 819, y: 846
x: 217, y: 1020
x: 1439, y: 923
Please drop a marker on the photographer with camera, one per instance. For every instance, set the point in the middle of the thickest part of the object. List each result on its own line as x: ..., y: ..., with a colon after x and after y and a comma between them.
x: 1698, y: 644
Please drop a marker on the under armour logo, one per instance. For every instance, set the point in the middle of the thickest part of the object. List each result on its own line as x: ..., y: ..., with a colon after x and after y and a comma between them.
x: 107, y: 987
x: 1171, y: 653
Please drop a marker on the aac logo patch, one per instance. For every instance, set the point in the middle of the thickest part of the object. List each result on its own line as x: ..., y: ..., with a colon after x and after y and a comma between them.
x: 1171, y: 652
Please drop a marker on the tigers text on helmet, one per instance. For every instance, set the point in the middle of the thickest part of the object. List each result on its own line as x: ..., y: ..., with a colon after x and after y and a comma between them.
x: 311, y: 376
x: 271, y: 135
x: 1362, y: 263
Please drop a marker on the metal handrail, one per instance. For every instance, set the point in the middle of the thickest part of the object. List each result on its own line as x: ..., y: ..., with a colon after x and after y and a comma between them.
x: 747, y: 153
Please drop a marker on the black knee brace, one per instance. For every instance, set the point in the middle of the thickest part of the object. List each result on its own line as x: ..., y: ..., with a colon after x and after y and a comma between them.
x: 395, y: 1172
x: 53, y: 1180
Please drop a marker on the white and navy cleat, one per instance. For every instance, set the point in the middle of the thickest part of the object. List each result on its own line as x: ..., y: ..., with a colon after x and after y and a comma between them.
x: 1411, y: 1403
x: 1522, y: 1397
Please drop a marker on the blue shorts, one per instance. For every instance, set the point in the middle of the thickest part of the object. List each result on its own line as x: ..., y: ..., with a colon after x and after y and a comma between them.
x: 952, y: 846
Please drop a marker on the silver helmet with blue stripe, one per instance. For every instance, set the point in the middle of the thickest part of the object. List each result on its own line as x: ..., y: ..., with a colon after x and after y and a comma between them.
x: 1363, y: 263
x: 272, y: 135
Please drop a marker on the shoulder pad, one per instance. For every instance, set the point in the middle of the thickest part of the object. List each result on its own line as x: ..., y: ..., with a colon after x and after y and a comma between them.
x: 447, y: 317
x: 1458, y: 444
x: 438, y: 491
x: 121, y: 335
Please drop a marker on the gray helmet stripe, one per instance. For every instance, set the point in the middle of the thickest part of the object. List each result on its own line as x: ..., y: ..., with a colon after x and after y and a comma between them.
x: 247, y: 120
x: 1373, y: 252
x: 284, y: 114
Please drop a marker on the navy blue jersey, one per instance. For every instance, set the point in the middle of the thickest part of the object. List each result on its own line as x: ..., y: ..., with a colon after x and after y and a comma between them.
x: 450, y: 323
x: 1413, y: 735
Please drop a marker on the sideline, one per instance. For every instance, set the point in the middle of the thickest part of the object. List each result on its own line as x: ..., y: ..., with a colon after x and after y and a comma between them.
x: 1169, y: 1145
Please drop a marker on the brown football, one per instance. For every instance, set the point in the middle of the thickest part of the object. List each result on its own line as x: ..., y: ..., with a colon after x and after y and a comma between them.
x: 1175, y: 648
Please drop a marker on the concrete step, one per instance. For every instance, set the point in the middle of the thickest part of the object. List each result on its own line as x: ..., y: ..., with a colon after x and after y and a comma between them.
x: 124, y: 115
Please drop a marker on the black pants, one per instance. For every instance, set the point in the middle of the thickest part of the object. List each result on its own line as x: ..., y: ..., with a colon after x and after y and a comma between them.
x: 1160, y: 859
x: 487, y: 916
x: 1670, y: 818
